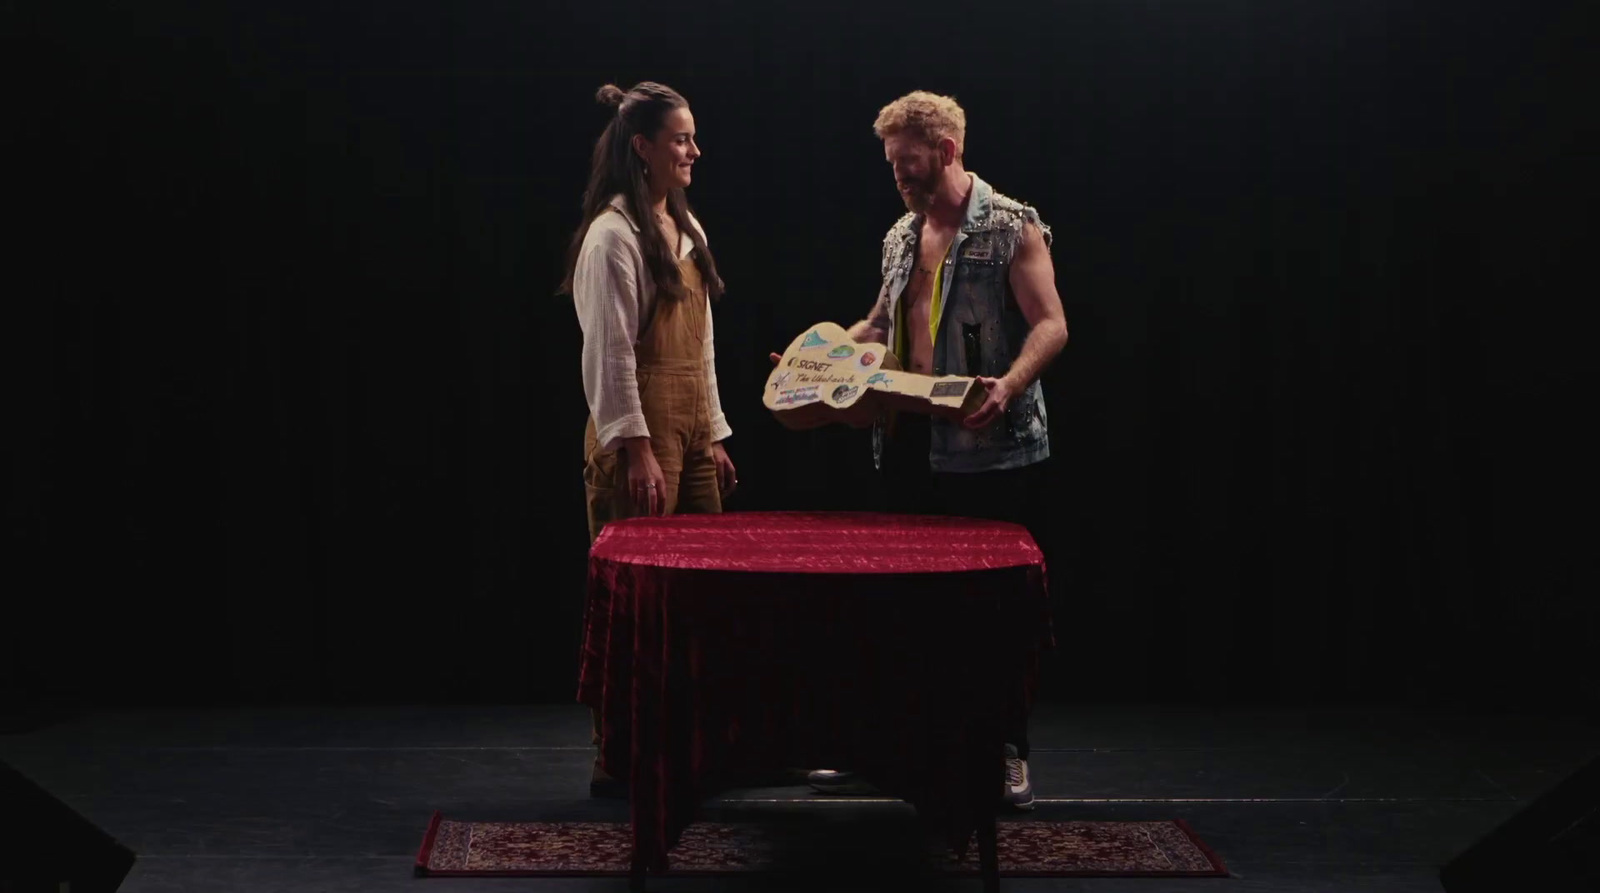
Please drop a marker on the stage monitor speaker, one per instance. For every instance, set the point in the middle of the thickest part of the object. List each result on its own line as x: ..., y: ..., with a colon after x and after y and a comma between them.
x: 1551, y: 846
x: 47, y: 847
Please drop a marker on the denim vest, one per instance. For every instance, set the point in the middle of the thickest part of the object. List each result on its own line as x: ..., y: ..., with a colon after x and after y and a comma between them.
x: 980, y: 332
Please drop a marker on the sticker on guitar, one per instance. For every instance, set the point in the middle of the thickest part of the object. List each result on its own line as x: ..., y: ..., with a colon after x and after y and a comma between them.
x: 797, y: 396
x: 861, y: 391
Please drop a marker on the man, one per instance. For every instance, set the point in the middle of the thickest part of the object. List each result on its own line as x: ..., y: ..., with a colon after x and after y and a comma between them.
x: 968, y: 289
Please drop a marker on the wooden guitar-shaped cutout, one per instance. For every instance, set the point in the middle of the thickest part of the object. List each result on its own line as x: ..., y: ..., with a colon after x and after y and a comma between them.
x: 826, y: 377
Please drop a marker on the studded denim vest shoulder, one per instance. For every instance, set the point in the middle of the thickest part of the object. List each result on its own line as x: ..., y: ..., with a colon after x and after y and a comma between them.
x: 980, y: 332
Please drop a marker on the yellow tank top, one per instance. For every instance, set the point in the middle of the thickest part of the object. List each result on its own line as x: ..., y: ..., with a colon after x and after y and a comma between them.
x: 936, y: 300
x: 935, y: 309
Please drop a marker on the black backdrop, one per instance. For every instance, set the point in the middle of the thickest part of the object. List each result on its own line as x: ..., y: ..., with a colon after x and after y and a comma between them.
x: 296, y: 414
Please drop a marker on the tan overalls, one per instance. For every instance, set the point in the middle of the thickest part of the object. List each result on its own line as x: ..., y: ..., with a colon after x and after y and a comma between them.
x: 670, y: 363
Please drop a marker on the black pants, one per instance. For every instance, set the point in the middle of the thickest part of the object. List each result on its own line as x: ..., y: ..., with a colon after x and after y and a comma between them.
x: 1014, y: 495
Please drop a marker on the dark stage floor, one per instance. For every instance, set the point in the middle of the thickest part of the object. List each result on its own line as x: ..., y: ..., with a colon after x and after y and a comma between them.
x: 338, y: 799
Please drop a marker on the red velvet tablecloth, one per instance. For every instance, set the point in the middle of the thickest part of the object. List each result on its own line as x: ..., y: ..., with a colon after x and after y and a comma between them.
x: 716, y: 645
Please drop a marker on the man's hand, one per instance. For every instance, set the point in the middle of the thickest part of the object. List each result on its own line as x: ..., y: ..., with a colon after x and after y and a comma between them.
x: 871, y: 330
x: 862, y: 331
x: 874, y: 329
x: 646, y: 484
x: 1001, y: 390
x: 727, y: 475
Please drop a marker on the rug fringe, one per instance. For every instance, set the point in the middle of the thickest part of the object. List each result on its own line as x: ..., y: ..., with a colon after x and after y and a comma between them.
x: 421, y: 868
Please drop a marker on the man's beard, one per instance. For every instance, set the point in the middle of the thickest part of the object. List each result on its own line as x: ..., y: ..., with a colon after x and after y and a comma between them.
x: 919, y: 196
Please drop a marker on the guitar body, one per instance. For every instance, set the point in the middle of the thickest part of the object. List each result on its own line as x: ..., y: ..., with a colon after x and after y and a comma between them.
x: 824, y: 377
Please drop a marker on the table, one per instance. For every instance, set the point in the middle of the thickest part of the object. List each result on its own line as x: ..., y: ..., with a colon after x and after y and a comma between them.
x: 719, y: 645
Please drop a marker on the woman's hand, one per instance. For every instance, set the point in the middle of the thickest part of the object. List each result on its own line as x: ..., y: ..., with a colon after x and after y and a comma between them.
x: 647, y: 486
x: 727, y: 475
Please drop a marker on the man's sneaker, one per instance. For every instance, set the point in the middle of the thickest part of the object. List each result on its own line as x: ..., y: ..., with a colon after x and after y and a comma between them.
x: 831, y: 781
x: 1019, y: 789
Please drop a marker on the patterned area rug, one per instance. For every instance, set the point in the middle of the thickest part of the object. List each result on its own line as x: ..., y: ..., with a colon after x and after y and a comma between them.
x: 1027, y: 848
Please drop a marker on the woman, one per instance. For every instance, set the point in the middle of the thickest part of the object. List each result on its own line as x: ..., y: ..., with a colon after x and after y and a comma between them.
x: 642, y: 279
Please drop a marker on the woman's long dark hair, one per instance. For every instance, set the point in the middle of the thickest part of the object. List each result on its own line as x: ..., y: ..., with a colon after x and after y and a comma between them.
x: 616, y: 168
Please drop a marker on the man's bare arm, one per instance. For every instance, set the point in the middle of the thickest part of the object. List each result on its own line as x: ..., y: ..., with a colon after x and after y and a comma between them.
x: 875, y: 328
x: 1033, y: 281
